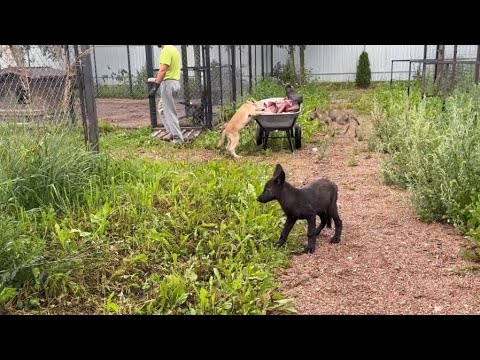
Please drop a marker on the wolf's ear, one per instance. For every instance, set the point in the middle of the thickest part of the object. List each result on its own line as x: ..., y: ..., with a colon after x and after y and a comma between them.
x: 278, y: 170
x: 279, y: 175
x: 280, y: 178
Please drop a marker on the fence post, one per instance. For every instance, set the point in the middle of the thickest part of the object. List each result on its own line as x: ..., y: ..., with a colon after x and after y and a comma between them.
x: 82, y: 94
x: 221, y: 71
x: 204, y: 89
x: 70, y: 82
x: 271, y: 60
x: 424, y: 69
x: 409, y: 75
x: 209, y: 87
x: 91, y: 109
x: 263, y: 61
x: 250, y: 68
x: 454, y: 66
x: 129, y: 72
x: 151, y: 100
x: 445, y: 87
x: 255, y: 55
x: 391, y: 74
x: 95, y: 65
x: 241, y: 72
x: 234, y: 75
x: 186, y: 89
x: 477, y: 67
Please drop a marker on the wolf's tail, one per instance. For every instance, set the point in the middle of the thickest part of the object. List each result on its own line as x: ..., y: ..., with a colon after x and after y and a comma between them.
x: 333, y: 200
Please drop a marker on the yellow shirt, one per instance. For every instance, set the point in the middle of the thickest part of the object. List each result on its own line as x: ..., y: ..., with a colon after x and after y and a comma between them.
x: 169, y: 55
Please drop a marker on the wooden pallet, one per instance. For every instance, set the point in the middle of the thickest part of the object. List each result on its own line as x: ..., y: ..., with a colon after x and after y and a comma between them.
x: 189, y: 133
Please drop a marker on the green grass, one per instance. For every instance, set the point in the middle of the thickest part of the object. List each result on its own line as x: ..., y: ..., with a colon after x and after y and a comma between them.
x: 122, y: 91
x: 87, y: 234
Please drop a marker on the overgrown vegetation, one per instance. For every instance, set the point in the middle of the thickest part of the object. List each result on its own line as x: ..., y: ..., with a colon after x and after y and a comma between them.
x: 434, y: 154
x: 88, y: 234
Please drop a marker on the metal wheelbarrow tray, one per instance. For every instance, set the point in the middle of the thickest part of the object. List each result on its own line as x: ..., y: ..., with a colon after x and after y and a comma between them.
x: 268, y: 123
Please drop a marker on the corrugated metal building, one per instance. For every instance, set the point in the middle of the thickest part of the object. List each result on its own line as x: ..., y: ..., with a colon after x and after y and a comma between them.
x: 333, y: 63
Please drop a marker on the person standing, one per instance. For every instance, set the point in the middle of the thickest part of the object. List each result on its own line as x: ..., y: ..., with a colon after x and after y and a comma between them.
x: 168, y: 79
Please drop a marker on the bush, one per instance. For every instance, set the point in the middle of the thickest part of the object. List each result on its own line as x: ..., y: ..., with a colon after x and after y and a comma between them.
x: 364, y: 73
x: 286, y: 73
x: 433, y: 154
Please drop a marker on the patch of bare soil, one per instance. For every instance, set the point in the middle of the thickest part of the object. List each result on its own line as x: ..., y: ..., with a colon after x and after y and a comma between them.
x: 135, y: 113
x: 126, y: 113
x: 129, y: 113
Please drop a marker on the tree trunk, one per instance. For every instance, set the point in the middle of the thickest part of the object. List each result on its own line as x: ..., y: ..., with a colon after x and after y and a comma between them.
x: 18, y: 55
x: 17, y: 59
x: 7, y: 55
x: 454, y: 66
x: 302, y: 64
x: 439, y: 67
x: 291, y: 52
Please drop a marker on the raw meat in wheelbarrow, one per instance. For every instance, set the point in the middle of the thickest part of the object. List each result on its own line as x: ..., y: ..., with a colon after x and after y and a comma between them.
x: 295, y: 100
x: 283, y: 106
x: 271, y: 106
x: 288, y: 104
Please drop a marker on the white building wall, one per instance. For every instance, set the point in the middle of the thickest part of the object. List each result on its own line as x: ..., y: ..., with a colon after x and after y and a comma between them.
x: 332, y: 63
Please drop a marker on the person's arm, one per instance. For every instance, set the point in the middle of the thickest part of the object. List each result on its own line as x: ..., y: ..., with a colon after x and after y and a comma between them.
x: 161, y: 73
x: 160, y: 76
x: 165, y: 60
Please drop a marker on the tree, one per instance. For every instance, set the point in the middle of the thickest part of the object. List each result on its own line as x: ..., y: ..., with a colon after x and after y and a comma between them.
x: 291, y: 55
x: 14, y: 55
x: 302, y: 62
x: 291, y: 60
x: 364, y: 73
x: 438, y: 76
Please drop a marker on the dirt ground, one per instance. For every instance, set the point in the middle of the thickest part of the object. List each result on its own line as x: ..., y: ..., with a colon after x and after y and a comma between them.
x: 126, y: 113
x: 133, y: 113
x: 388, y: 262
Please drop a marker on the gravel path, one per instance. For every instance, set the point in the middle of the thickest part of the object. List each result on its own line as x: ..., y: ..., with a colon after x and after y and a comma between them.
x: 389, y: 262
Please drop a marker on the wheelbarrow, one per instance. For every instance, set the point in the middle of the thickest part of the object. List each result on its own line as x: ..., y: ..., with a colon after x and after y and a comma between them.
x: 268, y: 123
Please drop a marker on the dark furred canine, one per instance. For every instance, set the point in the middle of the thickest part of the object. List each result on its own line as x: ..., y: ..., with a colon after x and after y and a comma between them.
x: 318, y: 198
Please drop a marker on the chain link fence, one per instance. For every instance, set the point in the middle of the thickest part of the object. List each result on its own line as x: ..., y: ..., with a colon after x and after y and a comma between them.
x: 37, y: 82
x: 119, y: 71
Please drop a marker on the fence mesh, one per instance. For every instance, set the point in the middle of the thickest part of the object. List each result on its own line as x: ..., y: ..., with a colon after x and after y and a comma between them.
x: 441, y: 79
x: 37, y: 82
x: 119, y: 71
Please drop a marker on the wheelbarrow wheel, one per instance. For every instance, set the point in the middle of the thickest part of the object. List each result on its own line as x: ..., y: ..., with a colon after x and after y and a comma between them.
x: 259, y: 135
x: 298, y: 136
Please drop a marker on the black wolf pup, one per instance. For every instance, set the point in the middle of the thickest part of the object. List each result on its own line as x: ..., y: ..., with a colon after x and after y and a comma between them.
x: 318, y: 198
